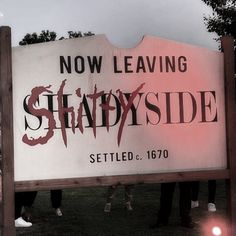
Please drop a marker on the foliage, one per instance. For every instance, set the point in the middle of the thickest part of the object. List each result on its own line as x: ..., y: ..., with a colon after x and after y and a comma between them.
x: 46, y: 36
x: 223, y: 20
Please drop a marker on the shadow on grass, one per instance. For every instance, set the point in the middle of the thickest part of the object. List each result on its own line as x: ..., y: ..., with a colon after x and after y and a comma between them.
x: 83, y: 213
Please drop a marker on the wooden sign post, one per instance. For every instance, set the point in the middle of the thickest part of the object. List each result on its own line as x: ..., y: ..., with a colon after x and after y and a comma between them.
x: 230, y: 98
x: 7, y: 146
x: 99, y: 67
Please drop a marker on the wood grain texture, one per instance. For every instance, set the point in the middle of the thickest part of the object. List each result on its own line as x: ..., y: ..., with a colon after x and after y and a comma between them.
x: 230, y: 106
x: 122, y: 179
x: 7, y: 132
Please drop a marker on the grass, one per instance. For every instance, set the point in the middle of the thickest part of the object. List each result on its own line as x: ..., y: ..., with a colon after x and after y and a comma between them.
x: 83, y: 213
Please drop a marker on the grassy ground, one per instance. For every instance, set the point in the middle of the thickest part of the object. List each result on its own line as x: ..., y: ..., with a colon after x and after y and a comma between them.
x: 83, y: 213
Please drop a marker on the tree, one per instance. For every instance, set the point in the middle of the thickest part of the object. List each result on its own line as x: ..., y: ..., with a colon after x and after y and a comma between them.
x: 223, y: 20
x: 46, y: 36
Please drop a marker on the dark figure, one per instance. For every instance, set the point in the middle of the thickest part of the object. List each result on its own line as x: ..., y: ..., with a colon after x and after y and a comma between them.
x: 166, y: 199
x: 23, y: 200
x: 111, y: 193
x: 211, y: 195
x: 56, y: 198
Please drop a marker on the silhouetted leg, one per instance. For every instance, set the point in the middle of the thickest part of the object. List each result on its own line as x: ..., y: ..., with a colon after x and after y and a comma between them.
x: 111, y: 192
x: 185, y: 201
x: 166, y: 199
x: 27, y: 201
x: 195, y: 190
x: 128, y: 192
x: 211, y: 191
x: 18, y: 203
x: 128, y: 197
x: 29, y: 198
x: 56, y: 198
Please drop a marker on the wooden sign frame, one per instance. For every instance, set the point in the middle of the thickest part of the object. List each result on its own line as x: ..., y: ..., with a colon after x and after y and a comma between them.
x: 7, y: 219
x: 9, y: 186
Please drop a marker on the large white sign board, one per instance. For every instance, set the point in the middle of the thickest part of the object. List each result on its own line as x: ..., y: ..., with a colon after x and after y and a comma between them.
x: 84, y: 108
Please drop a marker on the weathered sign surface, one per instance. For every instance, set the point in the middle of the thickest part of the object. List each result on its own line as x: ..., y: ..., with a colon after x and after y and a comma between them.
x: 83, y: 108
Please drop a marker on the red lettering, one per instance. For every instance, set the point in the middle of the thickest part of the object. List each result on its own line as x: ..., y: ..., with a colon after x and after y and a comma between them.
x: 80, y: 111
x: 61, y: 112
x: 126, y: 108
x: 35, y: 92
x: 106, y: 107
x: 94, y: 98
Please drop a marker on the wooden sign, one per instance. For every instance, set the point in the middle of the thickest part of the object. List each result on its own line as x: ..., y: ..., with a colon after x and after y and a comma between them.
x: 83, y: 108
x: 85, y: 113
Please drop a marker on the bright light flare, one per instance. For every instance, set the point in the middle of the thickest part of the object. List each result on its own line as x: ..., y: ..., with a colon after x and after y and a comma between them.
x: 1, y: 14
x: 215, y: 226
x: 216, y: 231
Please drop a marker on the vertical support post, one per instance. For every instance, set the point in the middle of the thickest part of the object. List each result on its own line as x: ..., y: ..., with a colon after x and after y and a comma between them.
x: 230, y: 105
x: 7, y: 145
